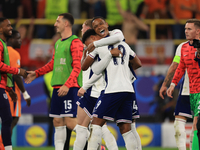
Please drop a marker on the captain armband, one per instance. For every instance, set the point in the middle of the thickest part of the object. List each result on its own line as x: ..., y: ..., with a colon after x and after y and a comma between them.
x: 176, y: 59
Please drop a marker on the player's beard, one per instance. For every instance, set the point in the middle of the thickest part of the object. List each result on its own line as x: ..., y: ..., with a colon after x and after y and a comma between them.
x: 7, y: 35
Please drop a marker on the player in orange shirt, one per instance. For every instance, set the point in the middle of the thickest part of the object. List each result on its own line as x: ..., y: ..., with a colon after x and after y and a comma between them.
x: 15, y: 107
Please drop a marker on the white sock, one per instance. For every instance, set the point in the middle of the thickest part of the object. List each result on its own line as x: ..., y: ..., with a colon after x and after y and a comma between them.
x: 108, y: 137
x: 60, y: 137
x: 180, y: 135
x: 95, y: 137
x: 130, y: 141
x: 133, y: 129
x: 82, y: 135
x: 191, y: 138
x: 9, y: 147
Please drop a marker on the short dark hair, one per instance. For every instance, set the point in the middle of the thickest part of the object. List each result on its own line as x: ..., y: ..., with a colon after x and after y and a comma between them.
x: 87, y: 34
x: 14, y: 33
x: 195, y: 21
x: 68, y: 16
x: 98, y: 17
x: 2, y: 19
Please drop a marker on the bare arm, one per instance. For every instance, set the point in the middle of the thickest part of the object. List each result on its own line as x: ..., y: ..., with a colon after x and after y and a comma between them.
x: 30, y: 29
x: 168, y: 79
x: 87, y: 63
x: 20, y: 11
x: 19, y: 82
x: 170, y: 74
x: 135, y: 63
x: 171, y: 10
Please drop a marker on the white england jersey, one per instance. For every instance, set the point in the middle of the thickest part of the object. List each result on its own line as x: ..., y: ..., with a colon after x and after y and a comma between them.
x: 97, y: 86
x: 117, y: 74
x: 185, y: 89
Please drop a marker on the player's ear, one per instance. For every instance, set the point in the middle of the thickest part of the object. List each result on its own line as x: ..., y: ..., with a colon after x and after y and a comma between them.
x: 198, y: 31
x: 107, y: 25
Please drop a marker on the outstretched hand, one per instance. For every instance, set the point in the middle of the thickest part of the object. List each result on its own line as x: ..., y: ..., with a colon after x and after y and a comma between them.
x: 31, y: 76
x: 13, y: 95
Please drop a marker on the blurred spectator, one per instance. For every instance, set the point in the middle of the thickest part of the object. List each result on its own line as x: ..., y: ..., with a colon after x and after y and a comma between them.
x: 87, y: 8
x: 75, y: 10
x: 181, y: 9
x: 197, y: 12
x: 131, y: 26
x: 50, y: 9
x: 158, y: 9
x: 136, y: 7
x: 39, y: 61
x: 100, y: 8
x: 51, y: 49
x: 26, y: 36
x: 27, y: 8
x: 41, y: 30
x: 94, y: 8
x: 113, y: 16
x: 11, y: 9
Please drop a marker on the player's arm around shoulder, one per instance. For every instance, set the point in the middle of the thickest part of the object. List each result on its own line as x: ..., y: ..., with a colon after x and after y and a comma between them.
x: 89, y: 59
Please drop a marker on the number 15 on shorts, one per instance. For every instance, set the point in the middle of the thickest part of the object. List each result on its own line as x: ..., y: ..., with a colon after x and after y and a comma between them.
x: 68, y: 105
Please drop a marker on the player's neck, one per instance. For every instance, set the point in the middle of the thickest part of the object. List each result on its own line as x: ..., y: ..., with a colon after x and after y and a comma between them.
x: 66, y: 33
x: 2, y: 37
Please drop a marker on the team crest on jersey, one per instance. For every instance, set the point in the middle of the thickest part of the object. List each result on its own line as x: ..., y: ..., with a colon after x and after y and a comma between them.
x: 5, y: 96
x: 63, y: 61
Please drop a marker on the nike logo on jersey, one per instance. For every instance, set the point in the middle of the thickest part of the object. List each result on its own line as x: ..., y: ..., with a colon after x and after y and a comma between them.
x: 67, y: 111
x: 185, y: 55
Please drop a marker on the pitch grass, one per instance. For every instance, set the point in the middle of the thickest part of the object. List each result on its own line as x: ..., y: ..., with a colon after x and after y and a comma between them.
x: 121, y: 148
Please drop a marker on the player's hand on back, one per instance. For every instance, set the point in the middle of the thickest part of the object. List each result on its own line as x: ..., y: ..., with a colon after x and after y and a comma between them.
x: 23, y: 73
x: 30, y: 77
x: 81, y: 92
x: 13, y: 95
x: 90, y: 47
x: 115, y: 52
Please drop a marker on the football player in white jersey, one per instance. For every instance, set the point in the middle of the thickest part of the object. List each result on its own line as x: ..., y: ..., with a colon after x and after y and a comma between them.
x: 86, y: 105
x: 113, y: 37
x: 117, y: 101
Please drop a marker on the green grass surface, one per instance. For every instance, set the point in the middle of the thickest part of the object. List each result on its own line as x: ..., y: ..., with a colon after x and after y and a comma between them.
x: 121, y: 148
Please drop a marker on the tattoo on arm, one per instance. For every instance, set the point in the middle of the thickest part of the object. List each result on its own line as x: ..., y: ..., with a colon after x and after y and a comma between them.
x: 170, y: 74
